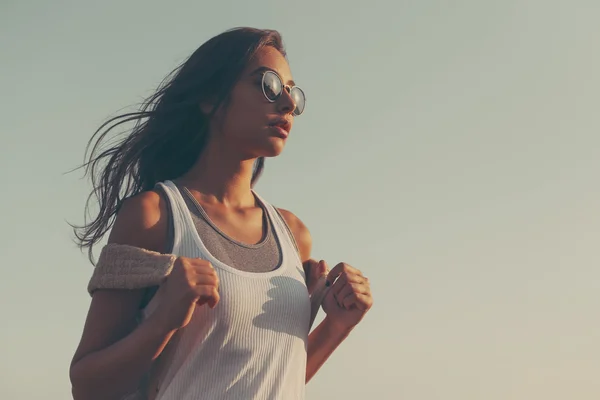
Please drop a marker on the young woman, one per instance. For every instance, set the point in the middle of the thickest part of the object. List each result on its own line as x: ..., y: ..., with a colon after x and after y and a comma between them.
x: 231, y: 321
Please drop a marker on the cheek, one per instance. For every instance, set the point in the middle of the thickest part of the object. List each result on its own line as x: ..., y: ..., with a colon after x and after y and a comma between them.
x: 245, y: 116
x: 239, y: 121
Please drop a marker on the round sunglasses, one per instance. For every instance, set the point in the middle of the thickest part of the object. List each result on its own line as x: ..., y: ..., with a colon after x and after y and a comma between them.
x: 273, y: 87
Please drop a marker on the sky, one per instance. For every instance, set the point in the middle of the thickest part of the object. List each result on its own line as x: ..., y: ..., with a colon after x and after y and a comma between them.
x: 449, y: 150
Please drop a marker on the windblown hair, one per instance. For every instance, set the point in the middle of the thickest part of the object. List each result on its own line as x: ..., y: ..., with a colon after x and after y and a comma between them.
x: 169, y: 130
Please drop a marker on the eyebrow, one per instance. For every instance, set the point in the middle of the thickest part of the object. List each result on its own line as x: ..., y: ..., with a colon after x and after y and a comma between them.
x: 265, y: 69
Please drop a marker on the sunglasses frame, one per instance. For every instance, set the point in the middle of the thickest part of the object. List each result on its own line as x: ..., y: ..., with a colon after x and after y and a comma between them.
x: 288, y: 88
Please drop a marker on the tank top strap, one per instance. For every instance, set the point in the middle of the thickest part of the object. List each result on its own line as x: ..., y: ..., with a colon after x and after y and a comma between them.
x: 281, y: 228
x: 183, y: 225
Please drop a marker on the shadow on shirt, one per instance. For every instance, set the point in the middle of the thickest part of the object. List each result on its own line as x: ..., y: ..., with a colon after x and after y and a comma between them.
x: 288, y: 308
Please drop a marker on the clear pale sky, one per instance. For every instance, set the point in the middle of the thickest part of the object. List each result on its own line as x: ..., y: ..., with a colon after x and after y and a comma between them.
x: 450, y: 150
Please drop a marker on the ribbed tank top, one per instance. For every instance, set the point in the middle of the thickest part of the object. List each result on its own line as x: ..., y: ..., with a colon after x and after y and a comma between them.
x: 263, y: 256
x: 252, y: 345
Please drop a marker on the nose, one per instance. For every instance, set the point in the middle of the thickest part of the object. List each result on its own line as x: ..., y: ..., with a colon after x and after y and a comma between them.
x: 285, y: 103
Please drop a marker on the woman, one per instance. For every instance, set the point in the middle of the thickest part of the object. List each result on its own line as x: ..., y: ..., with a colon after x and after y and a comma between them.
x: 231, y: 319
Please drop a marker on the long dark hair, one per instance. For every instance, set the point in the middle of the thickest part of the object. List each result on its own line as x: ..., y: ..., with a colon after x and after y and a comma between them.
x: 169, y: 131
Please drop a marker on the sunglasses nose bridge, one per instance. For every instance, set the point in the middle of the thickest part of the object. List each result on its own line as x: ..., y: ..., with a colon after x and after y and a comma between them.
x: 286, y: 98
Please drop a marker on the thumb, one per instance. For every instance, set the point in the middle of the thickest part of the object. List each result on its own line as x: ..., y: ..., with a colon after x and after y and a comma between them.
x: 322, y: 268
x: 315, y: 271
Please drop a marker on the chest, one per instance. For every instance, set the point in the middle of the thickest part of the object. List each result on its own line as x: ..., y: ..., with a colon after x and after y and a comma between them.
x: 244, y: 225
x: 279, y: 303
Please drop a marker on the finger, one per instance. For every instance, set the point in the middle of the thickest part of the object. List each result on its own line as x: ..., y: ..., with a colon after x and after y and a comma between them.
x: 309, y: 266
x: 211, y: 301
x: 339, y: 285
x: 322, y: 268
x: 207, y: 295
x: 204, y: 270
x: 339, y: 269
x: 208, y: 280
x: 214, y: 299
x: 343, y: 292
x: 317, y: 270
x: 355, y: 278
x: 331, y: 295
x: 351, y: 288
x: 314, y: 268
x: 359, y: 300
x: 348, y: 279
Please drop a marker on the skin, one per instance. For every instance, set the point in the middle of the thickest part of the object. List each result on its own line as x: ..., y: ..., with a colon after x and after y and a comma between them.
x: 113, y: 348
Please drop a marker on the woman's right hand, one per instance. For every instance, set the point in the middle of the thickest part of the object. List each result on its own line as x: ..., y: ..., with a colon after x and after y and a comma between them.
x: 193, y: 282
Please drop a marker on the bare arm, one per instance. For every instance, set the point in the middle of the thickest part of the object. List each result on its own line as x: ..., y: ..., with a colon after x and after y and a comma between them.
x: 113, y: 354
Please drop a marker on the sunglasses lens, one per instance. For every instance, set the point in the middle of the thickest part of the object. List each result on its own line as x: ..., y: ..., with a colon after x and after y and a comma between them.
x: 300, y: 100
x: 272, y: 86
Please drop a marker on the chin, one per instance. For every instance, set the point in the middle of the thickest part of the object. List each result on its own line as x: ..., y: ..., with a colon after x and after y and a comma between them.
x: 274, y: 148
x: 271, y: 154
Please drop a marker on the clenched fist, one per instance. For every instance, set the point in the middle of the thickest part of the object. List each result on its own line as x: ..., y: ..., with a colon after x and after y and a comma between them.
x: 193, y: 282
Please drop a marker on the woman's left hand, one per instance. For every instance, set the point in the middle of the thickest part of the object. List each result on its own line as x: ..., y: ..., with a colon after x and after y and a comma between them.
x: 349, y: 297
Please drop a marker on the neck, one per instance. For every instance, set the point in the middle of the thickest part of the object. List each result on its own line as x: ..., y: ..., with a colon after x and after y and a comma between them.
x: 221, y: 178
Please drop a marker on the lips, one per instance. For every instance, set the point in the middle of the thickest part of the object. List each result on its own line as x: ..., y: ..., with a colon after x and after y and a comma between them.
x: 282, y: 123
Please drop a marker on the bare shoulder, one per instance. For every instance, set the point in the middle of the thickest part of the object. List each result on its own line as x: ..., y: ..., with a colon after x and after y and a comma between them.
x: 142, y: 222
x: 300, y: 232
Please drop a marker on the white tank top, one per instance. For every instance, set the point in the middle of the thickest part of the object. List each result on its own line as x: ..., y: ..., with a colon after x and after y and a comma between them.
x: 253, y: 344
